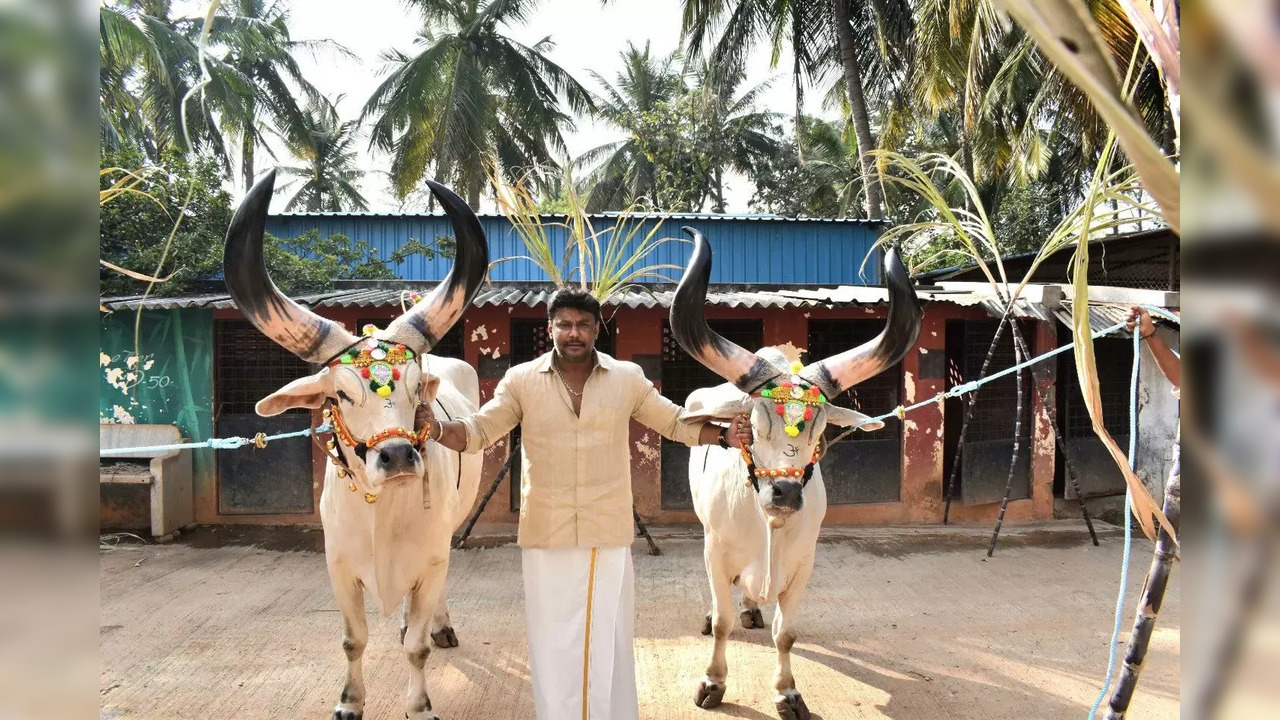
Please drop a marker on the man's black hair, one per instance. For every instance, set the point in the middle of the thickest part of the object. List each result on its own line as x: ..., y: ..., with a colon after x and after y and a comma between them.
x: 574, y: 298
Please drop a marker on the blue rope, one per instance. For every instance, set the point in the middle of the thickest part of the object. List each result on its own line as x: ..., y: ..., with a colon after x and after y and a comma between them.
x: 230, y: 443
x: 1128, y: 525
x: 899, y: 412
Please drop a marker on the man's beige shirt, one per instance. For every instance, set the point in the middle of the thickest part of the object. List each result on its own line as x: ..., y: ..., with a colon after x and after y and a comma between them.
x: 575, y: 472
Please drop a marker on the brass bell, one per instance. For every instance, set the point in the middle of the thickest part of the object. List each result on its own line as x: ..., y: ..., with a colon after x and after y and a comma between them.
x: 351, y: 487
x: 370, y: 498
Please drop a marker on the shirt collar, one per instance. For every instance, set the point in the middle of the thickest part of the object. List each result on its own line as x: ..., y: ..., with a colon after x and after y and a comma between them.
x: 602, y: 361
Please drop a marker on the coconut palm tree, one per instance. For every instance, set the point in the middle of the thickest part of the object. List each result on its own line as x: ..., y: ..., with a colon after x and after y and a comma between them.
x: 151, y: 61
x: 257, y: 49
x: 470, y: 94
x: 328, y: 173
x: 867, y: 42
x: 622, y: 173
x: 735, y: 134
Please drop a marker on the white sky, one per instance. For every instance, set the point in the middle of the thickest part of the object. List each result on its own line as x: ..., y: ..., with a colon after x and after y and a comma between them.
x: 587, y: 37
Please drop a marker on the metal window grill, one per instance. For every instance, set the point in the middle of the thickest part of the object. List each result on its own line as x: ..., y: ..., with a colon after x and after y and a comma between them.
x: 249, y: 366
x: 450, y: 345
x: 1114, y: 360
x: 682, y: 374
x: 1154, y: 270
x: 993, y: 417
x: 873, y: 396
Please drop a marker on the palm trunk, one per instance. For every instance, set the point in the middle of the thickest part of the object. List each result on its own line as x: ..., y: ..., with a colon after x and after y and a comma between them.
x: 858, y: 107
x: 246, y: 159
x: 1152, y: 597
x: 719, y: 201
x: 795, y: 72
x: 473, y: 197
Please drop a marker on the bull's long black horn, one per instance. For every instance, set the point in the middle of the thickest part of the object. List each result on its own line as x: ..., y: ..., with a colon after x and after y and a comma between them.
x: 689, y: 324
x: 422, y: 326
x: 840, y: 372
x: 297, y: 329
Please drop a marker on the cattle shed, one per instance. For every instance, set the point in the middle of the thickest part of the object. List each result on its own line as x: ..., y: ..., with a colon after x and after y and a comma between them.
x: 206, y: 367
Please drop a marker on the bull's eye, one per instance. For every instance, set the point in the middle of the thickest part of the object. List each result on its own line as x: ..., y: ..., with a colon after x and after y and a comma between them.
x: 343, y: 396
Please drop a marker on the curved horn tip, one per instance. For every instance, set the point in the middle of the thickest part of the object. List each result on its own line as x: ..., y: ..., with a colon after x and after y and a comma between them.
x: 693, y: 232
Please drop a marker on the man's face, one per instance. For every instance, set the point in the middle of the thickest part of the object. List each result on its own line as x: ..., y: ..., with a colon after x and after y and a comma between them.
x: 574, y: 333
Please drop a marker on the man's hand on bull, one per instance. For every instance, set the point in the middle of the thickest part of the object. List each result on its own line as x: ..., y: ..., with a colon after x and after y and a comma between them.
x: 736, y: 435
x: 739, y: 433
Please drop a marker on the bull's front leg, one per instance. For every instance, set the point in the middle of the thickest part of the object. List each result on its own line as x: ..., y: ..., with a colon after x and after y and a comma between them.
x: 442, y: 633
x: 355, y: 636
x: 712, y: 687
x: 419, y: 609
x: 788, y: 701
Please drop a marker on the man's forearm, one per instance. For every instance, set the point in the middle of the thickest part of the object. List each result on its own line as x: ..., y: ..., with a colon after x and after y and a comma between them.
x: 1165, y: 359
x: 709, y: 434
x: 451, y: 434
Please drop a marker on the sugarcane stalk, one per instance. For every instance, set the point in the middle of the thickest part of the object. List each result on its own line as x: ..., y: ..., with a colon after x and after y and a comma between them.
x: 653, y: 546
x: 471, y: 523
x: 968, y: 415
x: 1058, y: 438
x: 1152, y: 597
x: 1013, y: 461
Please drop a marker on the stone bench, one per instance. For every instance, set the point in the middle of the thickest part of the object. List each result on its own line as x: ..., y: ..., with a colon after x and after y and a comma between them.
x: 167, y: 472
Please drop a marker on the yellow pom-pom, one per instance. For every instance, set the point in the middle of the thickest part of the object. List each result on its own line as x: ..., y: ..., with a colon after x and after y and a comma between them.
x: 796, y: 367
x: 792, y: 431
x: 384, y: 391
x: 369, y: 329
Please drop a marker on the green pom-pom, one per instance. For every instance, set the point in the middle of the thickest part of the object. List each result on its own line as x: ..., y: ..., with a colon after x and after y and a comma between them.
x: 766, y: 393
x: 408, y: 354
x: 346, y: 360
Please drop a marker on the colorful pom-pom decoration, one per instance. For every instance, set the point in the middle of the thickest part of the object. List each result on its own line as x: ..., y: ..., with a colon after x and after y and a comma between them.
x: 384, y: 391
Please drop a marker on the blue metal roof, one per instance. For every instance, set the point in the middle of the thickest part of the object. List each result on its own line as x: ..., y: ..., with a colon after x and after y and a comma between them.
x: 748, y: 248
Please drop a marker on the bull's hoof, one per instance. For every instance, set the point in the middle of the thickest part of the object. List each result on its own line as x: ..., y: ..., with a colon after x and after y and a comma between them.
x: 706, y: 625
x: 752, y: 619
x: 709, y: 694
x: 445, y: 637
x: 791, y: 706
x: 340, y: 713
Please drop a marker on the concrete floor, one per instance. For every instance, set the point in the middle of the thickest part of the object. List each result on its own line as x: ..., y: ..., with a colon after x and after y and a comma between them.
x: 897, y: 623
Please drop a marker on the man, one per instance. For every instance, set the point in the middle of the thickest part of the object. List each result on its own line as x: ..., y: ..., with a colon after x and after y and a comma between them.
x: 574, y: 406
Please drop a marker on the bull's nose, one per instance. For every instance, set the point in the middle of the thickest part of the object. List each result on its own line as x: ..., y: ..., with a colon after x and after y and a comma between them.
x: 396, y: 457
x: 787, y: 494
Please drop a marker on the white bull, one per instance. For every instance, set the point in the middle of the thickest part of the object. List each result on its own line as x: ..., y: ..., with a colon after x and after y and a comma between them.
x: 391, y: 498
x: 761, y: 510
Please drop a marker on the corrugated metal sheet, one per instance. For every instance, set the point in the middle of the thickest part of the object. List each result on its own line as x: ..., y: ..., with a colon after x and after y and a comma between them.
x: 1100, y: 316
x: 489, y: 296
x: 748, y: 249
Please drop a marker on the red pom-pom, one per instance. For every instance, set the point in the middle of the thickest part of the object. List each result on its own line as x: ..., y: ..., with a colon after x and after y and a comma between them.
x: 395, y: 373
x: 364, y: 372
x: 782, y: 409
x: 808, y: 413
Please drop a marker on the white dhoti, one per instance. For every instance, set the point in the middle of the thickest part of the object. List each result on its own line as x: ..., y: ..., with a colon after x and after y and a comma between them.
x: 580, y: 607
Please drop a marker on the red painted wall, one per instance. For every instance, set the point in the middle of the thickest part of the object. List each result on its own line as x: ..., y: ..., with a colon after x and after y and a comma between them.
x: 639, y: 332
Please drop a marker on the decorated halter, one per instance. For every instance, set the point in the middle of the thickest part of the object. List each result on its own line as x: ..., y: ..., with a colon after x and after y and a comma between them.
x: 795, y: 400
x: 377, y: 361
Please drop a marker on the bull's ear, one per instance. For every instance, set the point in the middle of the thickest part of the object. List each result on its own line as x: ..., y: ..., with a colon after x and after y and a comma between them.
x: 308, y: 392
x: 724, y: 411
x: 845, y: 417
x: 430, y: 387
